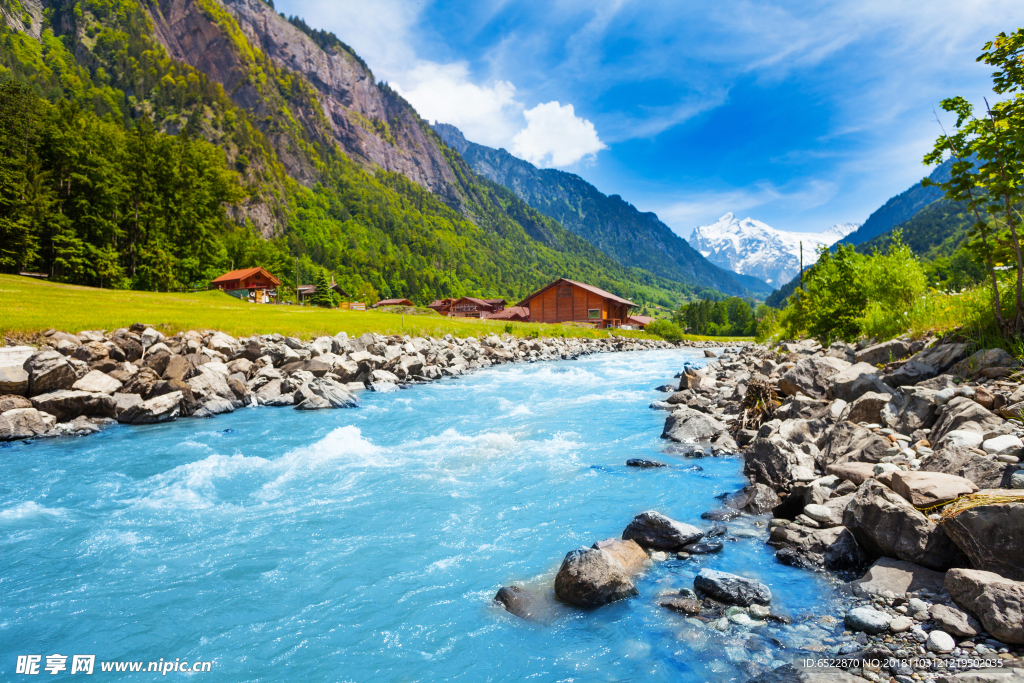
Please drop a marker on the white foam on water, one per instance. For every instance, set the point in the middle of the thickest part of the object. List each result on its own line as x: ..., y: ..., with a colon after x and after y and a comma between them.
x: 520, y: 410
x: 27, y: 510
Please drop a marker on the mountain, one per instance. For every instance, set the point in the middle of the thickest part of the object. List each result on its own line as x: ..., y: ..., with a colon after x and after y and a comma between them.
x: 753, y: 248
x: 900, y: 208
x: 631, y: 237
x: 154, y: 144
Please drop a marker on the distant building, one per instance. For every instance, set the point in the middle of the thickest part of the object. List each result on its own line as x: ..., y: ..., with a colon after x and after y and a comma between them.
x: 394, y: 302
x: 255, y: 285
x: 512, y: 313
x: 468, y: 307
x: 638, y: 321
x: 306, y: 291
x: 565, y: 301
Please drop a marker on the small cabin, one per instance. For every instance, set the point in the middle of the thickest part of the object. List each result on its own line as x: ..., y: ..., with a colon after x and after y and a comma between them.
x: 519, y: 314
x: 256, y: 285
x: 638, y: 321
x: 567, y: 301
x: 393, y: 302
x: 468, y: 307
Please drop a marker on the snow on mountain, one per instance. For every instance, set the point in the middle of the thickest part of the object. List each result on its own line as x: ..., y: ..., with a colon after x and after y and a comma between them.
x: 750, y: 247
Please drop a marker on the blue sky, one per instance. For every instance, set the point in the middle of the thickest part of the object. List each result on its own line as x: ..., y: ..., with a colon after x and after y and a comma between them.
x: 799, y: 114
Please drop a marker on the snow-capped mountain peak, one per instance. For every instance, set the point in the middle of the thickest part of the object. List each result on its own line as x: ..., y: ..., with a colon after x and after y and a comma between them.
x: 750, y: 247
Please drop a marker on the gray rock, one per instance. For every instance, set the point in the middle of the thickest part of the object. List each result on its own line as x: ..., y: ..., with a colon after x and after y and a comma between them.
x: 643, y: 464
x: 49, y: 371
x: 963, y: 462
x: 13, y: 375
x: 954, y: 621
x: 897, y: 576
x: 123, y: 402
x: 992, y: 536
x: 97, y: 382
x: 24, y: 423
x: 333, y: 393
x: 516, y: 601
x: 686, y: 425
x: 313, y: 403
x: 810, y: 376
x: 855, y: 381
x: 886, y: 524
x: 160, y: 409
x: 868, y: 408
x: 66, y: 405
x: 886, y: 352
x: 847, y: 442
x: 590, y: 578
x: 997, y: 602
x: 940, y: 641
x: 654, y: 530
x: 777, y: 462
x: 963, y: 414
x: 867, y: 619
x: 731, y: 588
x: 927, y: 364
x: 787, y: 673
x: 982, y: 360
x: 755, y: 499
x: 910, y: 409
x: 832, y: 548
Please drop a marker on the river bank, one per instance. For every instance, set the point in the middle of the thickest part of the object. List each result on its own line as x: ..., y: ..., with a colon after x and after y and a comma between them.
x: 76, y: 384
x: 893, y: 467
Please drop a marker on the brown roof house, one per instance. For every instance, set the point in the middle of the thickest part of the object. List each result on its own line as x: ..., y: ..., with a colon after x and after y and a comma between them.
x: 567, y: 301
x: 255, y: 285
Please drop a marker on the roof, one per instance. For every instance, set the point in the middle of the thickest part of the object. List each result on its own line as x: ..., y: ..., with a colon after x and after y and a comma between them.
x: 246, y: 272
x: 590, y: 288
x: 439, y: 303
x: 510, y: 312
x: 394, y: 302
x: 640, y: 319
x: 496, y: 302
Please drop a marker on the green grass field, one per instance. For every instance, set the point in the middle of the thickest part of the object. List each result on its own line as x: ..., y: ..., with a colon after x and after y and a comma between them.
x: 31, y: 306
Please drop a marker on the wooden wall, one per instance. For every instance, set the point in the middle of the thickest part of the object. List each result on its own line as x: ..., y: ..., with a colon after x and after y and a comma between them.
x: 548, y: 307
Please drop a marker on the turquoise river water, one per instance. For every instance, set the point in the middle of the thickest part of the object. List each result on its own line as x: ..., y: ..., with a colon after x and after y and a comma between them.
x: 367, y: 544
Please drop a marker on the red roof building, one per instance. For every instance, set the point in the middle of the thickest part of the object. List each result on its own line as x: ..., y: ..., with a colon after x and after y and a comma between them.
x: 394, y: 302
x: 639, y: 321
x: 468, y: 307
x: 565, y: 301
x: 513, y: 313
x: 253, y: 284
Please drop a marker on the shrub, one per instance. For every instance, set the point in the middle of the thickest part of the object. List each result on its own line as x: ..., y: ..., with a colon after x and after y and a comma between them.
x: 664, y: 329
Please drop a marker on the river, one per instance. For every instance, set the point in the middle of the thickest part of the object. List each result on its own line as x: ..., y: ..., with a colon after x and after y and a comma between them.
x: 367, y: 544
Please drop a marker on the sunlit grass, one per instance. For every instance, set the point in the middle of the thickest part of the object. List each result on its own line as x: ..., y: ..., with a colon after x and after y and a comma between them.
x: 31, y: 306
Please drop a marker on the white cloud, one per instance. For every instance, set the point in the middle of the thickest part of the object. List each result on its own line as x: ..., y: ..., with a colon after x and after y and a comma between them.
x: 555, y: 136
x: 486, y: 114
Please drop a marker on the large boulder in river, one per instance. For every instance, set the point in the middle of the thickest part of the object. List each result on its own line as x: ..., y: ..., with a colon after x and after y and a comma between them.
x: 654, y: 530
x: 992, y: 536
x: 997, y: 602
x: 963, y: 414
x: 810, y: 376
x: 49, y: 371
x: 755, y: 499
x: 24, y: 423
x: 516, y: 601
x: 886, y: 524
x: 731, y: 588
x: 855, y: 381
x: 986, y: 473
x: 686, y: 425
x: 590, y: 578
x: 777, y: 462
x: 834, y: 548
x: 927, y: 489
x: 66, y: 404
x: 627, y: 553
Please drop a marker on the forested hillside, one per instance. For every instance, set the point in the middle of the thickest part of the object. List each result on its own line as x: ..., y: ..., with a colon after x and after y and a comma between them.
x: 155, y: 145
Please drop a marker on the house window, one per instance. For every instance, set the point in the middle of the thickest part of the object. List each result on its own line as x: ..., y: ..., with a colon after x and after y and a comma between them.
x: 594, y: 313
x: 564, y: 292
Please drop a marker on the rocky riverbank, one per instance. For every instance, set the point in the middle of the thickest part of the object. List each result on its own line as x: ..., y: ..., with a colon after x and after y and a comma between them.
x: 76, y: 384
x: 895, y: 467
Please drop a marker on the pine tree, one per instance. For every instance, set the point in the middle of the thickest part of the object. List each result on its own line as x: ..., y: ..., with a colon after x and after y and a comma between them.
x: 322, y: 296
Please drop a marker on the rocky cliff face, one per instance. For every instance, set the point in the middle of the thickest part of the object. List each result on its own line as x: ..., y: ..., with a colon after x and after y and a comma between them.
x: 370, y: 123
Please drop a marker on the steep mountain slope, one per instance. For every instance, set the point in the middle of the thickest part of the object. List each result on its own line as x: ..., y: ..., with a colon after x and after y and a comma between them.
x: 935, y: 231
x: 616, y: 227
x: 900, y: 208
x: 333, y: 169
x: 753, y: 248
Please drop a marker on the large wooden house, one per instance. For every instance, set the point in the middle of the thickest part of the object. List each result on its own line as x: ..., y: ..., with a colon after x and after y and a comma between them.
x: 468, y: 307
x: 255, y: 285
x: 565, y: 301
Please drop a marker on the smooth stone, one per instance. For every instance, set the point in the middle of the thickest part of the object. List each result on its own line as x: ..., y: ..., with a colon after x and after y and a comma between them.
x: 940, y: 641
x: 867, y: 620
x: 900, y: 624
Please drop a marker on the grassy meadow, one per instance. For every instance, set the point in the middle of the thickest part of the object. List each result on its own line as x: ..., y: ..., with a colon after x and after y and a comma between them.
x: 32, y: 306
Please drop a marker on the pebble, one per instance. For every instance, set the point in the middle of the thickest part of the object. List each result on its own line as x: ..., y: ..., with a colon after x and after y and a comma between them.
x: 900, y: 624
x: 940, y: 641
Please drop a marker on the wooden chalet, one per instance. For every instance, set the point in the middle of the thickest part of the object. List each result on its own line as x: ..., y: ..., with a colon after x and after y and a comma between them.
x: 256, y: 285
x: 512, y: 313
x: 394, y: 302
x: 306, y: 291
x: 638, y: 321
x: 567, y: 301
x: 468, y: 307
